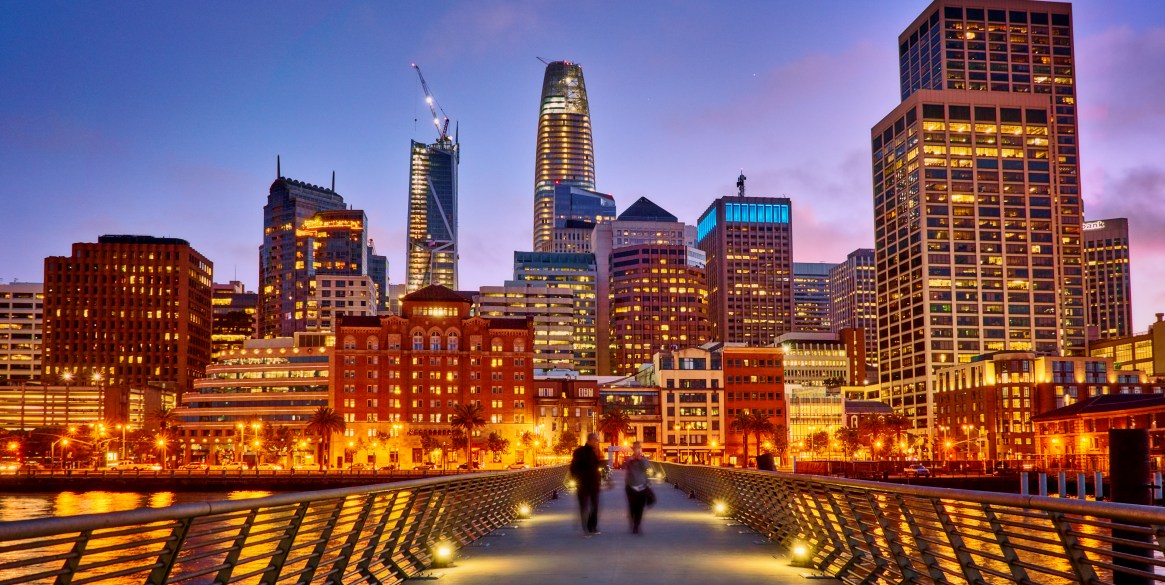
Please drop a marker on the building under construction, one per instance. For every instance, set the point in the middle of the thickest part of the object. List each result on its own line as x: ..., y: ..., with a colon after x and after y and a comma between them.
x: 432, y: 224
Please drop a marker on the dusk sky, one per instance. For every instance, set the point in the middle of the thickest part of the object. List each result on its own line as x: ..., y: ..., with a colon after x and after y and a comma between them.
x: 165, y: 118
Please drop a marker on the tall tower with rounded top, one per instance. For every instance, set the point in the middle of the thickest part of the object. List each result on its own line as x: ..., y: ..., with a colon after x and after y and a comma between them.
x: 565, y: 151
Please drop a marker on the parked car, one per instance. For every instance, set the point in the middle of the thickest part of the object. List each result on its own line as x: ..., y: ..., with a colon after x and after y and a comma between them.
x: 476, y: 465
x: 268, y: 467
x: 195, y: 466
x: 237, y: 466
x: 423, y: 467
x: 518, y: 466
x: 356, y: 467
x: 917, y: 470
x: 130, y: 466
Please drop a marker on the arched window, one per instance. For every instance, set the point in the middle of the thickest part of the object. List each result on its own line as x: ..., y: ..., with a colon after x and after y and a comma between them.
x: 418, y: 341
x: 453, y: 346
x: 373, y: 343
x: 519, y: 345
x: 434, y: 341
x: 349, y: 342
x: 495, y: 344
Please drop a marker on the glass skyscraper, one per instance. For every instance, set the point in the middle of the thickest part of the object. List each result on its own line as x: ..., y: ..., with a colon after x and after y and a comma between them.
x: 565, y: 151
x: 976, y: 195
x: 432, y: 223
x: 576, y: 212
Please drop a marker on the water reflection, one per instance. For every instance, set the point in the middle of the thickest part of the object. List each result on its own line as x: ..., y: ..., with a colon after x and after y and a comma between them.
x: 32, y: 506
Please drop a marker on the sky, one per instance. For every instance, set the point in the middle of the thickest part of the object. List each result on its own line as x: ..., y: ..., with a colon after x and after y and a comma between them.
x: 165, y: 119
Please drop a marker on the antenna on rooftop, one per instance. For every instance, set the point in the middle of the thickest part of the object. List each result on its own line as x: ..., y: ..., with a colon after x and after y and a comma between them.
x: 544, y: 61
x: 278, y: 169
x: 333, y: 181
x: 740, y: 182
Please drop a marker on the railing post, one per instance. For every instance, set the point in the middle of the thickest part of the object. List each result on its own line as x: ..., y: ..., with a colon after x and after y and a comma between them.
x: 232, y: 558
x: 344, y: 555
x: 1043, y: 484
x: 169, y: 553
x: 1017, y: 572
x: 1098, y: 485
x: 364, y: 566
x: 1024, y: 486
x: 322, y: 541
x: 1076, y: 557
x: 932, y: 565
x: 962, y: 555
x: 1128, y: 460
x: 890, y: 533
x: 1062, y: 484
x: 74, y: 559
x: 1081, y: 486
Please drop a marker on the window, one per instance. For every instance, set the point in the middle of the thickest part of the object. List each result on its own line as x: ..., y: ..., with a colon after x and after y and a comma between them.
x: 434, y: 342
x: 453, y: 341
x: 373, y: 343
x: 418, y: 341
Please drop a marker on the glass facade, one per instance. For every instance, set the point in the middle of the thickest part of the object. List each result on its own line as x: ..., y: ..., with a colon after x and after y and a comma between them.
x: 432, y: 219
x: 565, y: 151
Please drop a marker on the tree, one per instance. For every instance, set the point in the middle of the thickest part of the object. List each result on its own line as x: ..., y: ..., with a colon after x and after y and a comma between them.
x: 165, y: 419
x: 614, y: 421
x: 567, y: 441
x: 277, y: 441
x: 780, y: 440
x: 761, y: 425
x: 818, y: 441
x: 896, y: 424
x: 850, y: 439
x: 429, y: 443
x: 527, y: 439
x: 742, y: 421
x: 324, y: 423
x: 467, y: 418
x: 497, y: 445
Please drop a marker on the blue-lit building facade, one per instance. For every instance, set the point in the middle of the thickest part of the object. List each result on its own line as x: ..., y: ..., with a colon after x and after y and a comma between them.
x: 249, y: 394
x: 749, y: 246
x: 432, y: 220
x: 576, y: 212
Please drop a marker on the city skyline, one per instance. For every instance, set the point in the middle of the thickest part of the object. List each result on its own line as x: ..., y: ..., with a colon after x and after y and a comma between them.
x: 112, y: 143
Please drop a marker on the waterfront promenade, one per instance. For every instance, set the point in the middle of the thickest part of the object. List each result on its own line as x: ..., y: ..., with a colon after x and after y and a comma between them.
x: 683, y: 541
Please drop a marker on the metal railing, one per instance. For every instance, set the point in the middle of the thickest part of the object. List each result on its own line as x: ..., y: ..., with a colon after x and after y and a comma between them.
x: 871, y: 532
x: 370, y: 534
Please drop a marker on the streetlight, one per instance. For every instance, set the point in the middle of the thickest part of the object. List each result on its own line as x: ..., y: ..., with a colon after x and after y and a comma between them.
x: 64, y: 442
x: 122, y: 427
x: 162, y: 445
x: 67, y: 377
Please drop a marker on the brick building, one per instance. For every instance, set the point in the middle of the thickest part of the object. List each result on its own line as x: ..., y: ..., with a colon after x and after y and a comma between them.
x: 754, y: 381
x: 397, y: 378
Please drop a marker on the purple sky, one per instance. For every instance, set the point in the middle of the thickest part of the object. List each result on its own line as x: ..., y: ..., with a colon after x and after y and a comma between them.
x: 165, y: 118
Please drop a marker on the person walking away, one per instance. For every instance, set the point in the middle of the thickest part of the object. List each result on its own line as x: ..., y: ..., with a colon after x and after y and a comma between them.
x: 635, y: 480
x: 584, y: 467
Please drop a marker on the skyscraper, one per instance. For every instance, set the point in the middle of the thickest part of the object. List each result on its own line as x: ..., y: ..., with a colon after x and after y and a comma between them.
x: 579, y: 273
x: 565, y: 152
x: 749, y: 245
x: 550, y: 307
x: 432, y: 224
x: 128, y: 312
x: 576, y: 213
x: 853, y: 291
x: 21, y: 331
x: 235, y: 314
x: 811, y: 296
x: 282, y: 299
x: 1106, y: 262
x: 976, y: 194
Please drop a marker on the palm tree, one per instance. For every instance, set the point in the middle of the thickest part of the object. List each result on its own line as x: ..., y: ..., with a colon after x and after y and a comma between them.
x: 325, y: 422
x: 896, y: 423
x: 760, y: 425
x: 742, y: 421
x: 165, y: 418
x: 614, y: 421
x: 467, y: 418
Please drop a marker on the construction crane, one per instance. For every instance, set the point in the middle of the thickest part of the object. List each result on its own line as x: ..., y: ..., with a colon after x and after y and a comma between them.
x: 440, y: 121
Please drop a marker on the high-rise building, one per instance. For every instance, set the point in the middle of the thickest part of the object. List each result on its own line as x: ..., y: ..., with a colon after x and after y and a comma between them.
x: 658, y: 302
x: 21, y: 331
x: 282, y: 295
x: 1106, y: 265
x: 657, y: 236
x: 853, y: 291
x: 565, y: 152
x: 576, y: 213
x: 402, y: 376
x: 811, y: 296
x: 432, y: 224
x: 976, y: 195
x: 235, y: 316
x: 823, y: 359
x: 378, y: 272
x: 551, y: 308
x: 749, y: 245
x: 578, y: 273
x: 128, y: 312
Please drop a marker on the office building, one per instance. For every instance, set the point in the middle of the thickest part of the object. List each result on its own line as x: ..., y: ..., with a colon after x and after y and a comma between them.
x: 577, y: 273
x: 823, y: 359
x: 984, y: 409
x: 564, y: 403
x: 811, y: 310
x: 378, y: 272
x: 21, y: 331
x: 1144, y: 352
x: 235, y: 311
x: 576, y: 213
x: 565, y: 151
x: 853, y: 302
x: 402, y: 376
x: 30, y: 405
x: 282, y: 293
x: 976, y: 195
x: 642, y: 235
x: 269, y: 382
x: 1109, y: 290
x: 128, y: 312
x: 754, y: 382
x: 432, y: 219
x: 748, y: 242
x: 691, y: 389
x: 552, y: 310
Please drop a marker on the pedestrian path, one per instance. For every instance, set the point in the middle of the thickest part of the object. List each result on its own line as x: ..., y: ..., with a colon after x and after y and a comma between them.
x: 682, y: 542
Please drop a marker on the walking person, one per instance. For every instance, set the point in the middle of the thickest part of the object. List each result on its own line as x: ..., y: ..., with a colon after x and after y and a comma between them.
x: 639, y: 494
x: 584, y: 467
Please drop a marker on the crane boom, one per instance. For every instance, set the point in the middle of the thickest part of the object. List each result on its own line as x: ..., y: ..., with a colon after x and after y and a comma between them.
x: 441, y: 122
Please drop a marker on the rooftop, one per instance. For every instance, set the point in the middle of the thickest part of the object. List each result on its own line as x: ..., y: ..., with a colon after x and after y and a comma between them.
x: 644, y: 210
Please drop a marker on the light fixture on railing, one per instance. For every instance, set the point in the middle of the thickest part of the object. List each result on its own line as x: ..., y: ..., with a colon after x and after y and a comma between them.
x: 800, y: 555
x: 720, y: 509
x: 524, y: 510
x: 443, y: 552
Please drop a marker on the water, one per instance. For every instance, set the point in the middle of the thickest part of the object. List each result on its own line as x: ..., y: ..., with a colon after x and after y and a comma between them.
x: 14, y: 506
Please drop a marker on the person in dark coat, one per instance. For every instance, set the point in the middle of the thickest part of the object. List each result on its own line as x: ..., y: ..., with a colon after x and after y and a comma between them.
x: 584, y: 468
x: 635, y: 484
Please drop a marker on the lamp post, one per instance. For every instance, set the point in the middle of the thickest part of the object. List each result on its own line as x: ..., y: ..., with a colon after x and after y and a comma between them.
x: 122, y: 427
x: 68, y: 378
x: 162, y: 446
x: 64, y: 442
